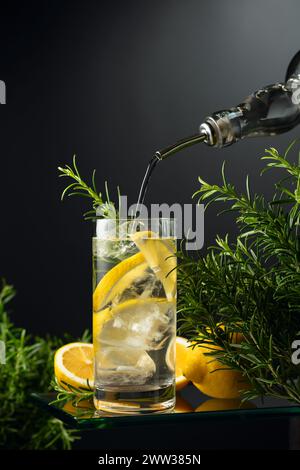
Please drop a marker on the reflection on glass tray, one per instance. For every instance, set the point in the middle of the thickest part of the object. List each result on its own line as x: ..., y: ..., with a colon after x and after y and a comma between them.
x: 190, y: 405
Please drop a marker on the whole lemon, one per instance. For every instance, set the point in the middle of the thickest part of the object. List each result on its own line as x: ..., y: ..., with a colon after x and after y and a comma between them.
x: 210, y: 376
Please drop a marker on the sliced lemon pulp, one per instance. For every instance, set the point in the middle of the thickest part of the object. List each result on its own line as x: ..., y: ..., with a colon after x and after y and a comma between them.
x: 160, y: 256
x: 117, y: 279
x: 73, y: 364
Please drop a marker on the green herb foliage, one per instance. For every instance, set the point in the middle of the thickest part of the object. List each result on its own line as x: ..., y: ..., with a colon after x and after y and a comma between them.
x: 102, y: 208
x: 71, y: 394
x: 250, y: 284
x: 28, y: 368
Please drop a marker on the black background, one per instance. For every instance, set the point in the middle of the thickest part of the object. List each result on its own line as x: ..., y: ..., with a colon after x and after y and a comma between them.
x: 113, y: 82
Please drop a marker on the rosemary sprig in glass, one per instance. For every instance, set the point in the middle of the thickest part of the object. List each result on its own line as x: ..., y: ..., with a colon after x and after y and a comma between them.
x: 102, y: 208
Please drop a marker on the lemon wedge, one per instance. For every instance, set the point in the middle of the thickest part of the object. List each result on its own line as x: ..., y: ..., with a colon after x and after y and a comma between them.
x: 117, y: 279
x: 159, y: 253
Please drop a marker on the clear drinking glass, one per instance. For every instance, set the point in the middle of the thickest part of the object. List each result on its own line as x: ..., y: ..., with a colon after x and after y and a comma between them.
x: 134, y: 315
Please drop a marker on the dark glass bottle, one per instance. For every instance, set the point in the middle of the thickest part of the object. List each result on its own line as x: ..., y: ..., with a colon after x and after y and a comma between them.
x: 269, y: 111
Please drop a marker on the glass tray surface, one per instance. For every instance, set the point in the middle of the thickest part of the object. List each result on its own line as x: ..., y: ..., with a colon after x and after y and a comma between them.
x: 191, y: 404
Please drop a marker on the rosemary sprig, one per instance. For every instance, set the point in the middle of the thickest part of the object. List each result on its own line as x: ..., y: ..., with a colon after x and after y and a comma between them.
x: 28, y: 368
x: 250, y: 284
x: 101, y: 208
x: 72, y: 394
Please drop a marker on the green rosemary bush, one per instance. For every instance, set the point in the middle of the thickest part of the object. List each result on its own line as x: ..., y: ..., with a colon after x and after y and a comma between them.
x: 28, y: 368
x: 250, y: 284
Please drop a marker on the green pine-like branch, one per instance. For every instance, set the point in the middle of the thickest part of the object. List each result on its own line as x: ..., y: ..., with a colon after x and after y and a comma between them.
x: 71, y: 394
x: 28, y: 368
x: 100, y: 208
x: 251, y: 284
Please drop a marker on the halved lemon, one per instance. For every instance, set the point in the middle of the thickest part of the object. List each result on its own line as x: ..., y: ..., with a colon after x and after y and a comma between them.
x: 117, y: 279
x: 73, y: 364
x: 160, y: 256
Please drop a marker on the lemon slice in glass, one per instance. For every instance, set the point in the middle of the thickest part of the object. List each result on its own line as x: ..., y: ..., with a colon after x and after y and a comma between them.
x: 159, y: 253
x: 117, y: 279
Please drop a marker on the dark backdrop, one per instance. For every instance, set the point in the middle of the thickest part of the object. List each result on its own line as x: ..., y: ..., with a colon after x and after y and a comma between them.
x: 112, y: 82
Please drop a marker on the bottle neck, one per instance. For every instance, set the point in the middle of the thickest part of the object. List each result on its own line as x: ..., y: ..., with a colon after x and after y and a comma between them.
x: 269, y: 111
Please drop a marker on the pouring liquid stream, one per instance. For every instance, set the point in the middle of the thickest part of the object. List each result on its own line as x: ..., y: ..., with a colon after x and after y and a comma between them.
x: 162, y: 155
x: 145, y: 183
